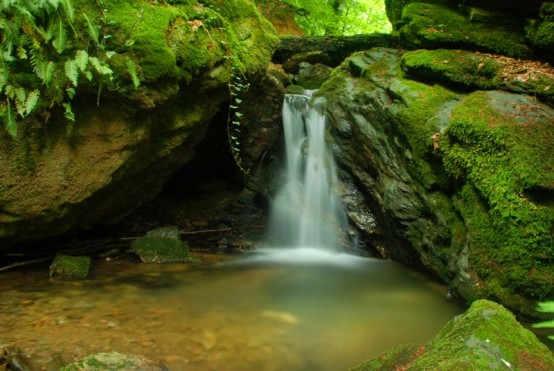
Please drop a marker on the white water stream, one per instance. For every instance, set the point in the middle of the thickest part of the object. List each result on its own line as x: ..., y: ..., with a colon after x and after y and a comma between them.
x: 306, y: 211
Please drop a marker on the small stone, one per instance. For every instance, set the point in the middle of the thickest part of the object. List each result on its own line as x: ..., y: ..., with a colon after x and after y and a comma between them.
x: 161, y: 245
x: 70, y: 267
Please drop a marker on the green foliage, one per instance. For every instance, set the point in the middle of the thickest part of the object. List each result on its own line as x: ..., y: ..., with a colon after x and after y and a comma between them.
x: 546, y: 307
x: 340, y: 17
x: 45, y: 40
x: 237, y: 87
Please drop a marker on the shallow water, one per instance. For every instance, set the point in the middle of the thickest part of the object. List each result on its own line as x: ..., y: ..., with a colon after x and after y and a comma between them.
x: 261, y: 312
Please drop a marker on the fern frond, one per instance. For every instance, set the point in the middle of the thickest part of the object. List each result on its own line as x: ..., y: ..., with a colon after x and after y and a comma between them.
x: 68, y: 7
x: 68, y: 112
x: 8, y: 118
x: 59, y: 36
x: 71, y: 71
x: 20, y: 98
x: 31, y: 102
x: 92, y: 29
x: 100, y: 66
x: 54, y: 3
x: 133, y: 72
x: 81, y: 58
x: 49, y: 72
x: 21, y: 52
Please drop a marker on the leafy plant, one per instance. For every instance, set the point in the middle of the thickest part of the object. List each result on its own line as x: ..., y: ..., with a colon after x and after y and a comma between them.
x: 546, y: 307
x: 237, y: 86
x: 34, y: 43
x: 340, y: 17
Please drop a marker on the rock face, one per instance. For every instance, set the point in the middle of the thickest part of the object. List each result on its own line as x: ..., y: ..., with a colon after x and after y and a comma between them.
x: 486, y: 337
x: 460, y: 182
x: 118, y: 154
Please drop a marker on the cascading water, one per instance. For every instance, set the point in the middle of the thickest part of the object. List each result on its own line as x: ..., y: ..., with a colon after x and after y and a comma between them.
x: 306, y: 210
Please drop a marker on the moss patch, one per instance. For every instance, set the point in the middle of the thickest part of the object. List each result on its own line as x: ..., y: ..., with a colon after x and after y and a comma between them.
x: 436, y: 26
x: 70, y: 267
x: 505, y: 152
x: 479, y: 70
x: 486, y: 337
x: 161, y: 245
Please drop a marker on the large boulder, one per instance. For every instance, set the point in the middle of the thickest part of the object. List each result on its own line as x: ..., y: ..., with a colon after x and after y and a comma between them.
x: 512, y: 28
x: 460, y: 180
x: 131, y: 136
x: 486, y: 337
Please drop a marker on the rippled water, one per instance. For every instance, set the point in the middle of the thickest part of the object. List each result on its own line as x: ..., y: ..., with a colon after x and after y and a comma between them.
x: 309, y: 312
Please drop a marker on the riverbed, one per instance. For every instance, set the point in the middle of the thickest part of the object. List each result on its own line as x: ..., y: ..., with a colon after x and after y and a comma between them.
x: 255, y: 312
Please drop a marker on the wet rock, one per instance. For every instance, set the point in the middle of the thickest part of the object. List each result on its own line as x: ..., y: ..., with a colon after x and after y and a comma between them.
x: 70, y: 267
x: 115, y: 361
x: 445, y: 171
x: 292, y: 65
x: 161, y: 245
x: 312, y: 76
x: 486, y: 337
x: 337, y: 48
x: 11, y: 359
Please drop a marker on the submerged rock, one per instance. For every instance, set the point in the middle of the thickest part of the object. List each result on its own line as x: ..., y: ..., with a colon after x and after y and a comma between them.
x: 70, y: 267
x: 161, y: 245
x: 115, y: 361
x: 486, y: 337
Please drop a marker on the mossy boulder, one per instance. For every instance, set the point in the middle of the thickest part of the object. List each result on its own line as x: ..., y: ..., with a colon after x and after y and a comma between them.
x: 440, y: 26
x: 126, y: 140
x: 460, y: 181
x: 70, y: 267
x: 461, y: 68
x: 486, y: 337
x: 161, y: 245
x: 115, y: 361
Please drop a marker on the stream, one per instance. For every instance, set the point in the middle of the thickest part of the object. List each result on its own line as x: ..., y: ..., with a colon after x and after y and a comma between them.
x: 303, y: 310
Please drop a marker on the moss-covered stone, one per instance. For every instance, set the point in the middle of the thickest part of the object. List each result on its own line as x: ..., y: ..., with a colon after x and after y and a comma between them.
x: 161, y: 245
x: 477, y: 208
x: 125, y: 141
x: 114, y: 361
x: 439, y: 26
x: 486, y: 337
x: 70, y: 267
x: 483, y: 71
x: 504, y: 151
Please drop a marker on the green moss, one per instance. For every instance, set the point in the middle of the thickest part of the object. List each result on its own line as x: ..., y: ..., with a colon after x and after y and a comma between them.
x: 436, y: 26
x: 70, y: 267
x: 161, y: 245
x: 458, y: 66
x: 486, y: 337
x: 475, y: 70
x: 510, y: 234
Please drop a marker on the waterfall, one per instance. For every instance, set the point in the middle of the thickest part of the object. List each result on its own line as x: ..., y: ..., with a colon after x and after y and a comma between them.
x: 306, y: 211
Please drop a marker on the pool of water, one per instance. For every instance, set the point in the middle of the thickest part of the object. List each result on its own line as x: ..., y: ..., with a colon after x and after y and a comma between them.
x: 266, y: 311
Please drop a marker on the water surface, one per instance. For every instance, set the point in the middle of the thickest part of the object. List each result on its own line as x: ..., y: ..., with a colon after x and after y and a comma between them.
x: 312, y: 312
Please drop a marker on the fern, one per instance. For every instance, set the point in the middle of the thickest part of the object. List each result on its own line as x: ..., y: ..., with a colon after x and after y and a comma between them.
x: 31, y: 102
x: 92, y: 30
x: 68, y: 7
x: 81, y: 59
x: 71, y: 71
x: 59, y: 36
x: 133, y: 72
x: 20, y: 98
x: 101, y: 67
x: 68, y: 112
x: 8, y: 118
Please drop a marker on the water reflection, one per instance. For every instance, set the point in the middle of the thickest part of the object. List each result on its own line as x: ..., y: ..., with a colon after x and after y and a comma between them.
x: 260, y: 312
